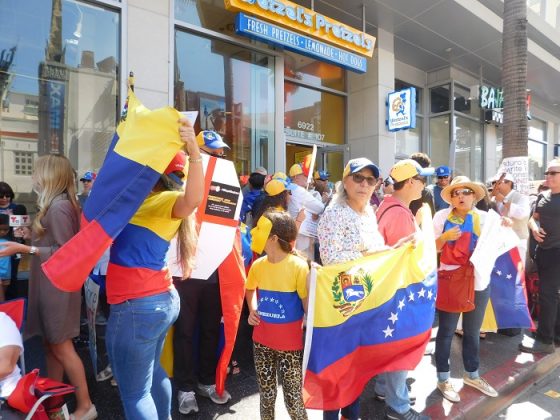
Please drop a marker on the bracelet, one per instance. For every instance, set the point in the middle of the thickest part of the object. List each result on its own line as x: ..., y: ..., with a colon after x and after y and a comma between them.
x: 197, y: 160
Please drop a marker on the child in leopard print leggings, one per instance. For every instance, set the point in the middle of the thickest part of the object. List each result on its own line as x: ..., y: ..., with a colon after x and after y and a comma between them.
x: 277, y: 298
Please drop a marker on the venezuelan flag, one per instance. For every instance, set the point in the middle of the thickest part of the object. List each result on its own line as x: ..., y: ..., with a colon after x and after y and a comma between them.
x: 142, y: 147
x: 368, y: 316
x: 508, y: 305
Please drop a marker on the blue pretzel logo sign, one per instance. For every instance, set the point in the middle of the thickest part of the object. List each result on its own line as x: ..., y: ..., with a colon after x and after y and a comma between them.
x: 401, y: 109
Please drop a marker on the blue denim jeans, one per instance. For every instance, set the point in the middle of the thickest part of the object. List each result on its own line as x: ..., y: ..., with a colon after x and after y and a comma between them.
x: 135, y: 334
x: 393, y: 386
x: 472, y: 321
x: 351, y: 412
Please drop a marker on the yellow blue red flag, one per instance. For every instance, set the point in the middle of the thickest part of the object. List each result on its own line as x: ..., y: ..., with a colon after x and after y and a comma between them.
x: 365, y: 317
x: 141, y: 149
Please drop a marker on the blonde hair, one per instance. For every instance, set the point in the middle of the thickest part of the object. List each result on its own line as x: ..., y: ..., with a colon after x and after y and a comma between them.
x: 187, y: 238
x: 54, y: 176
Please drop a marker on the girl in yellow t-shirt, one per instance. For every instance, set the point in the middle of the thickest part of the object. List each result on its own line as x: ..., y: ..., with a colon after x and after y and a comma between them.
x: 277, y: 298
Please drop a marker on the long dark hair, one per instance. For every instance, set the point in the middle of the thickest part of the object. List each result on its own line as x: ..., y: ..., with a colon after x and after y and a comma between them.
x: 272, y: 202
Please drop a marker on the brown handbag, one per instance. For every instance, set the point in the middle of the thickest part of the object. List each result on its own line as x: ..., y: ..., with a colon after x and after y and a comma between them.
x: 456, y: 289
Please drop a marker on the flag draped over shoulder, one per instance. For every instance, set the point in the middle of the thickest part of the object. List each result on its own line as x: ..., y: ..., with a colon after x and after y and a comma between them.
x: 141, y: 149
x: 508, y: 305
x: 368, y: 316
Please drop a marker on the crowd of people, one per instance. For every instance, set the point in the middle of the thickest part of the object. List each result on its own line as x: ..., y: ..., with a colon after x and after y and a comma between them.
x: 295, y: 223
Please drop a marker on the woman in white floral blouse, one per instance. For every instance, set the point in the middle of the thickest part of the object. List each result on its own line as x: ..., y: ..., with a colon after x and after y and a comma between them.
x: 348, y: 230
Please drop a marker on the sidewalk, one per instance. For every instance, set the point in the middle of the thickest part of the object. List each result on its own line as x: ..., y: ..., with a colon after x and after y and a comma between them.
x: 505, y: 368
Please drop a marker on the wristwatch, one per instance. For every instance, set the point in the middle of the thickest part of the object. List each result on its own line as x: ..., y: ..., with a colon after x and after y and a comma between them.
x: 33, y: 250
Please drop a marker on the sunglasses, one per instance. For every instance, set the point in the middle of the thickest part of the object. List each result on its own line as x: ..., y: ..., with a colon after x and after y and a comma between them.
x: 86, y: 180
x: 6, y: 195
x: 359, y: 178
x: 218, y: 155
x: 443, y: 176
x: 465, y: 191
x: 551, y: 173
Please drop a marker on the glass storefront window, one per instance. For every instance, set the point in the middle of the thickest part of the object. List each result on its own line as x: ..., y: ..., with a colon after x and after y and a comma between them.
x: 59, y: 85
x: 439, y: 99
x: 468, y: 151
x: 408, y: 141
x: 232, y: 87
x: 313, y: 115
x: 439, y: 140
x: 463, y: 103
x: 314, y: 72
x: 537, y: 160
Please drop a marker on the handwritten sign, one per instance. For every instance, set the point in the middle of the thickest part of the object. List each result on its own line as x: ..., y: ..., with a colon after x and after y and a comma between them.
x: 518, y: 167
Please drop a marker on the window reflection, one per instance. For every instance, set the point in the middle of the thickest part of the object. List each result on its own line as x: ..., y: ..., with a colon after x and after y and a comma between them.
x: 58, y: 85
x: 232, y: 87
x: 408, y: 141
x: 313, y: 115
x: 439, y: 99
x: 468, y: 151
x: 314, y: 72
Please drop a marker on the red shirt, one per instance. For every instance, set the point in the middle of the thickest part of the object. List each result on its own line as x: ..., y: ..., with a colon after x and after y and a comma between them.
x: 394, y: 220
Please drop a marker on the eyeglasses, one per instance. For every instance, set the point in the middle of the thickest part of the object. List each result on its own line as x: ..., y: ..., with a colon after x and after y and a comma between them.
x: 457, y: 193
x: 86, y: 180
x: 551, y: 173
x: 359, y: 178
x: 218, y: 155
x: 443, y: 176
x: 6, y: 195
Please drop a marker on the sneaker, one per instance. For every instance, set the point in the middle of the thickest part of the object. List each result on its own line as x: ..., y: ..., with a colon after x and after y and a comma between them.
x: 105, y: 374
x: 209, y: 391
x: 533, y: 345
x: 481, y: 385
x: 409, y: 415
x: 100, y: 319
x: 187, y: 402
x: 448, y: 391
x: 381, y: 398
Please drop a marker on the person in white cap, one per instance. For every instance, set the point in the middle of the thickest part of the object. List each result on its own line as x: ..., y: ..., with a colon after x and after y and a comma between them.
x: 516, y: 206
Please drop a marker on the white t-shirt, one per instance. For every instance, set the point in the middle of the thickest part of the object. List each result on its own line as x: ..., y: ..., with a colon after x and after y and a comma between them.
x: 10, y: 336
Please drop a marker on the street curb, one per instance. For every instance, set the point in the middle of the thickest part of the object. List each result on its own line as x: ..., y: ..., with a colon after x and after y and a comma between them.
x: 510, y: 379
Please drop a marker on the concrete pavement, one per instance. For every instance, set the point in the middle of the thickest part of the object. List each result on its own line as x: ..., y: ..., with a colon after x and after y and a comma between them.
x: 509, y: 371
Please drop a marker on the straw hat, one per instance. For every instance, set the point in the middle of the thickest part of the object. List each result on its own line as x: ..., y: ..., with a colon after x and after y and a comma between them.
x: 462, y: 182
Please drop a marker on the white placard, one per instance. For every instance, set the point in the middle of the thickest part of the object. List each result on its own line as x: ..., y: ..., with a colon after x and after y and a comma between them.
x: 518, y: 167
x: 191, y: 116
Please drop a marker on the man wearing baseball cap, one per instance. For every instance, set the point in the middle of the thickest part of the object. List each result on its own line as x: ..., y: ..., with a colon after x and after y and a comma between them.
x: 396, y: 222
x: 321, y: 182
x: 87, y: 183
x: 443, y: 174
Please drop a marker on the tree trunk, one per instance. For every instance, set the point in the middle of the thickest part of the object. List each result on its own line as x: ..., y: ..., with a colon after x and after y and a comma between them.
x: 514, y: 78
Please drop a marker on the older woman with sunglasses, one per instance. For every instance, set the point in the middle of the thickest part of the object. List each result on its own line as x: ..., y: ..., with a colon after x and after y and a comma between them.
x: 457, y: 229
x: 348, y: 230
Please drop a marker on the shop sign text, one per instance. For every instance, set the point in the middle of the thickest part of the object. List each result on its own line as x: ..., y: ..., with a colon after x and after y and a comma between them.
x: 401, y: 109
x: 294, y: 16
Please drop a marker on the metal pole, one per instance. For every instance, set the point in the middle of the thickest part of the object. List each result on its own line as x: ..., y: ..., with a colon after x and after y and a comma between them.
x: 363, y: 18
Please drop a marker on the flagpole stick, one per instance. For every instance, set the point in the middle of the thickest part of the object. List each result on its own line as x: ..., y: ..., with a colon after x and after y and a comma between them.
x: 310, y: 318
x: 311, y: 166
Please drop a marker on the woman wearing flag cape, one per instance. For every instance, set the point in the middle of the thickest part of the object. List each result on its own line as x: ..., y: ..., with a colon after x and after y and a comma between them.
x: 461, y: 289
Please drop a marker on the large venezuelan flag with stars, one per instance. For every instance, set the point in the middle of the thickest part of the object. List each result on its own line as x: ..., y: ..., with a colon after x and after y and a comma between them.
x: 508, y: 304
x: 141, y: 149
x: 365, y: 317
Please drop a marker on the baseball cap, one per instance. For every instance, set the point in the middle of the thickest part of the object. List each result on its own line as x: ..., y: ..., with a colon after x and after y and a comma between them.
x: 277, y: 186
x: 211, y: 139
x: 356, y: 165
x: 296, y: 169
x: 260, y: 234
x: 322, y: 175
x: 177, y: 165
x: 408, y: 168
x: 280, y: 175
x: 443, y: 171
x: 260, y: 170
x: 89, y: 176
x: 554, y: 163
x: 507, y: 177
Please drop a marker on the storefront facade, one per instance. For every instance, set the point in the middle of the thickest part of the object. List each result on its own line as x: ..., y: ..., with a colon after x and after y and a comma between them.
x: 64, y: 65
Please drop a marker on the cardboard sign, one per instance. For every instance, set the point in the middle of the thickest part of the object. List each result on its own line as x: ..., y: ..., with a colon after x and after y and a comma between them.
x: 217, y: 215
x: 20, y: 220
